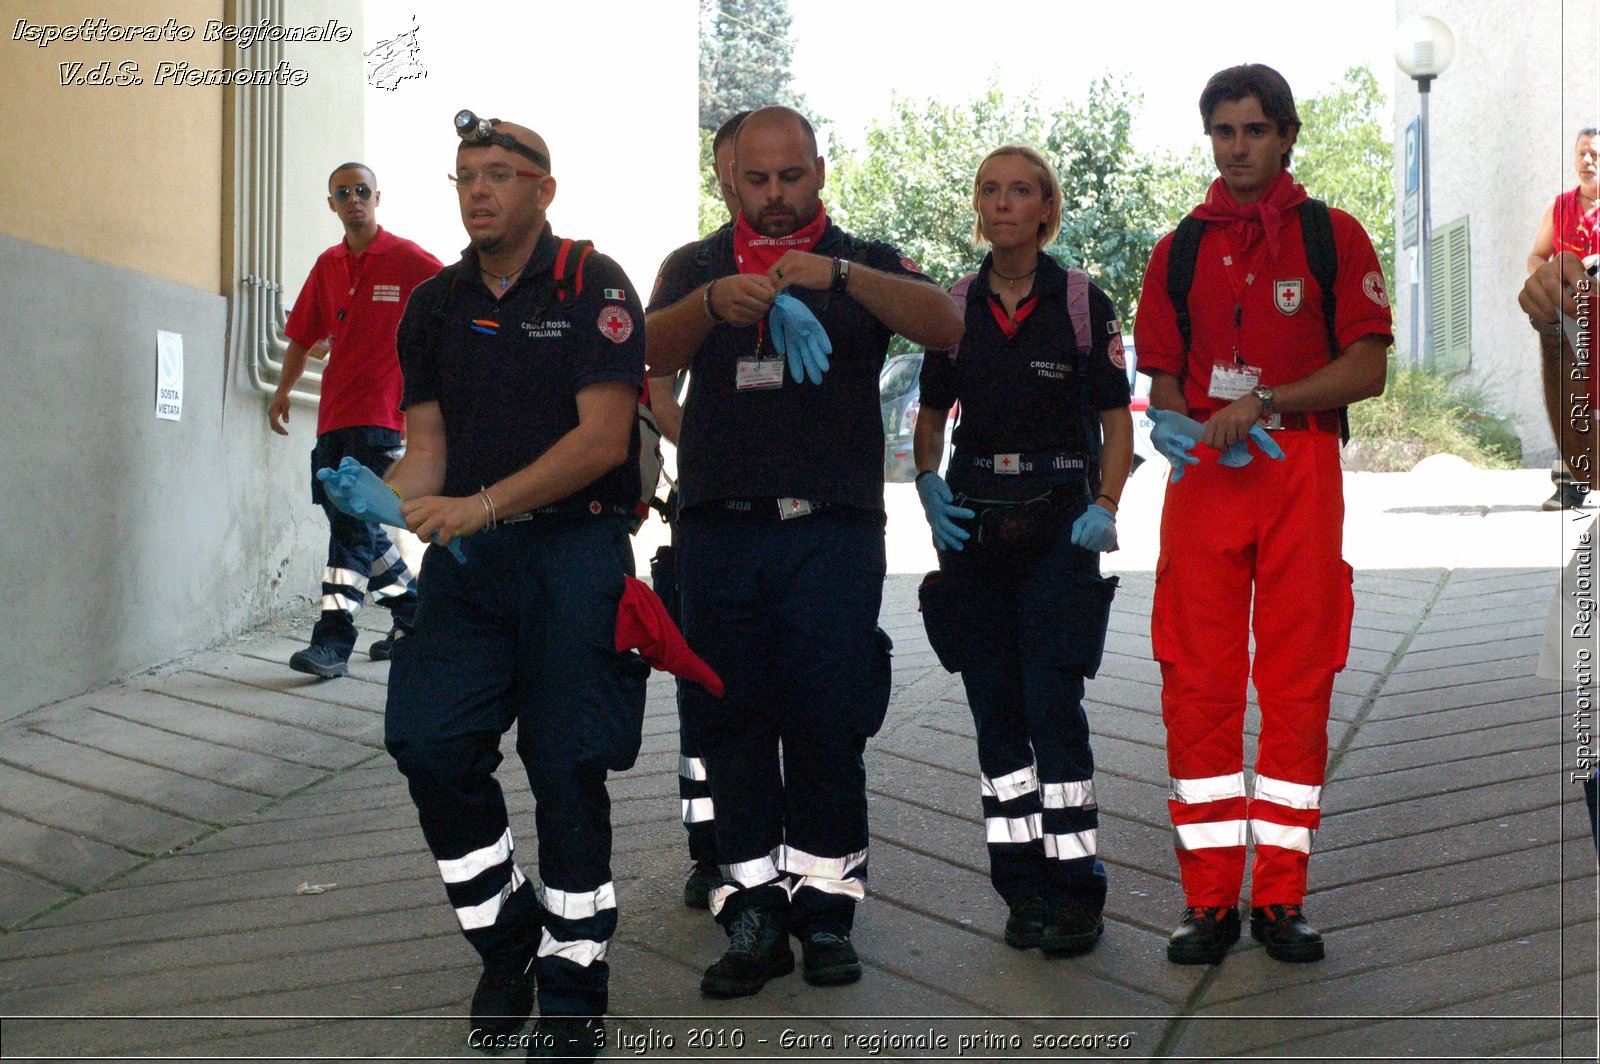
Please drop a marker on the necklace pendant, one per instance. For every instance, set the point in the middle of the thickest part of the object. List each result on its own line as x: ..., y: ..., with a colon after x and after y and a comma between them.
x: 505, y: 282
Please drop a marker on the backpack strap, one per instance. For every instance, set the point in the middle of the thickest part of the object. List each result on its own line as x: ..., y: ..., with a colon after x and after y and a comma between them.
x: 568, y: 269
x: 1078, y: 308
x: 1083, y: 331
x: 1316, y: 232
x: 1181, y: 257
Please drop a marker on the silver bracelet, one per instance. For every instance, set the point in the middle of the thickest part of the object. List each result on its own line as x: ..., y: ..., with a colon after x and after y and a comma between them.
x: 1546, y: 328
x: 488, y: 506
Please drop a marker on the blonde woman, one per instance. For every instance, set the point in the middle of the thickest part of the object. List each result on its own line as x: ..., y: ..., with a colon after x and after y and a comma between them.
x: 1018, y: 606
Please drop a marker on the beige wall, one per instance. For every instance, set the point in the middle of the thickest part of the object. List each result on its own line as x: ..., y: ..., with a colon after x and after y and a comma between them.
x: 125, y: 175
x: 1502, y: 119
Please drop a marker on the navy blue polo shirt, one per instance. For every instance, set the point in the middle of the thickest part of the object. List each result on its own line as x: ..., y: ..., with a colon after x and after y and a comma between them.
x: 506, y: 374
x: 1024, y: 392
x: 822, y: 442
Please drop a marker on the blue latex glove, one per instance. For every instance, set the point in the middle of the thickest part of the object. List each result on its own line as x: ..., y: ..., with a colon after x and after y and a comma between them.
x: 939, y: 507
x: 1095, y: 529
x: 1175, y: 435
x: 1238, y: 454
x: 800, y: 337
x: 358, y: 491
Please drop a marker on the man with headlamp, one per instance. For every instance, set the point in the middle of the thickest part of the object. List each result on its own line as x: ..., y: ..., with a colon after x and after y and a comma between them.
x: 523, y: 366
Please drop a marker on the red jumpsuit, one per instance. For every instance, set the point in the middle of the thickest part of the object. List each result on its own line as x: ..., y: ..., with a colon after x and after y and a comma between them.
x: 1271, y: 531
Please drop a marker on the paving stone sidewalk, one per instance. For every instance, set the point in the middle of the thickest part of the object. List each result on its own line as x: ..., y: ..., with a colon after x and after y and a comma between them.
x: 217, y: 860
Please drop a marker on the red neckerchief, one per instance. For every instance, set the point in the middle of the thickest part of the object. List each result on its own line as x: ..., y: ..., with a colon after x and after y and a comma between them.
x: 1248, y: 222
x: 1009, y: 326
x: 756, y: 253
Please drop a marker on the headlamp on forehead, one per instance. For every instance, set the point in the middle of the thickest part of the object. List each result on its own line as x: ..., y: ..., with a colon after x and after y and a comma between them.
x: 476, y: 132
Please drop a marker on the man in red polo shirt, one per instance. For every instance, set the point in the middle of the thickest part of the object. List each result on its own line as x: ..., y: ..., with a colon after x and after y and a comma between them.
x: 1571, y: 224
x: 1257, y: 352
x: 347, y: 312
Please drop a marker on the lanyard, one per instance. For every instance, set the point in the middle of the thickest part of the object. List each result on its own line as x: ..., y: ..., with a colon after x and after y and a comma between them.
x: 355, y: 282
x: 1240, y: 288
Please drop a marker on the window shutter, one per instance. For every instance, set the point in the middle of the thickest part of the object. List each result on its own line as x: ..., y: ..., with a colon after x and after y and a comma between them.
x: 1450, y: 297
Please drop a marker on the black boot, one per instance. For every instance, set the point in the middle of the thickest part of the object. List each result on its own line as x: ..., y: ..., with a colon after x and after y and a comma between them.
x: 758, y: 950
x: 1204, y: 936
x: 830, y: 959
x: 503, y: 1000
x: 1286, y: 934
x: 704, y: 877
x: 1026, y: 923
x: 1069, y: 930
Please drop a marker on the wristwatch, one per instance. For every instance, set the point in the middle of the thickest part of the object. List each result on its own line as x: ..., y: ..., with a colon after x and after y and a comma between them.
x: 1268, y: 403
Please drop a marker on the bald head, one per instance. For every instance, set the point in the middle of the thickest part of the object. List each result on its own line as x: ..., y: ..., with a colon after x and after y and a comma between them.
x: 781, y: 119
x: 777, y: 172
x: 515, y: 138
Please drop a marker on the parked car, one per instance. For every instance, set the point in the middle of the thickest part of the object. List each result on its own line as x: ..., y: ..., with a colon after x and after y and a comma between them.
x: 899, y: 395
x: 899, y: 392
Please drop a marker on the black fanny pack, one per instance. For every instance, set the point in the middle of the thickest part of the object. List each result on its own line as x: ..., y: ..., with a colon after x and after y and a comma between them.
x: 1023, y: 528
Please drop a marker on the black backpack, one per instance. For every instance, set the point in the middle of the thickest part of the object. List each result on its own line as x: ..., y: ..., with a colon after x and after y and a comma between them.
x: 1316, y: 229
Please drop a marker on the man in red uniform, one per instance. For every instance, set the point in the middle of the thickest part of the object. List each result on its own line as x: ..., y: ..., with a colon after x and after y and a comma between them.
x: 348, y: 312
x: 1256, y: 352
x: 1571, y: 224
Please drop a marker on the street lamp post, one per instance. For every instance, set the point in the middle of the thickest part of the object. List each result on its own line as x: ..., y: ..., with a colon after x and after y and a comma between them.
x: 1423, y: 47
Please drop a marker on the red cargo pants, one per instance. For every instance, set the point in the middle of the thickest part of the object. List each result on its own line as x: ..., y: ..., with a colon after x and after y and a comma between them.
x: 1273, y: 529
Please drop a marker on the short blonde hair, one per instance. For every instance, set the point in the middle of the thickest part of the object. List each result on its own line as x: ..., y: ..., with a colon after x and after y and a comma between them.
x: 1049, y: 187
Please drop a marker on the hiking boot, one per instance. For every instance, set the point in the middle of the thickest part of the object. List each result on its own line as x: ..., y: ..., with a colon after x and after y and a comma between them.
x: 1070, y: 929
x: 1286, y: 934
x: 383, y: 649
x: 1026, y: 923
x: 1205, y: 935
x: 830, y: 959
x: 704, y: 877
x: 323, y: 662
x: 758, y: 950
x: 502, y: 1001
x: 567, y: 1038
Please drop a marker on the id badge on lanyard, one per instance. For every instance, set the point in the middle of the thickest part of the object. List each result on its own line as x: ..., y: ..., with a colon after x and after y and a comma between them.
x: 755, y: 373
x: 1236, y: 378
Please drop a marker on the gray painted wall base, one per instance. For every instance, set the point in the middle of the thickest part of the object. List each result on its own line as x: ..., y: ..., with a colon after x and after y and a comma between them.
x: 128, y: 540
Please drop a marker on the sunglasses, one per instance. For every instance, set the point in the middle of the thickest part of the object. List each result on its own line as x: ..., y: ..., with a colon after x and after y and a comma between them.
x: 343, y: 193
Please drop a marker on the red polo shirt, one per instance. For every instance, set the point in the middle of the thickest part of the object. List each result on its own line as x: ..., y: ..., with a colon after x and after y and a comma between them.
x: 361, y: 383
x: 1280, y: 317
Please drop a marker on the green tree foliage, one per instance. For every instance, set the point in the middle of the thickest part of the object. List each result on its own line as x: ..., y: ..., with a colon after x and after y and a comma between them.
x: 911, y: 183
x: 1344, y: 156
x: 745, y: 55
x: 713, y: 212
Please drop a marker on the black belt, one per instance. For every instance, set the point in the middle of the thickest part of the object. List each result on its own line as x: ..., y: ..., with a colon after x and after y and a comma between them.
x: 593, y: 508
x: 781, y: 508
x: 1034, y: 463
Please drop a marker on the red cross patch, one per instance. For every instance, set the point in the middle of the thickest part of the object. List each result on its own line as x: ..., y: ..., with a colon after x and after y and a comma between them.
x: 1286, y: 294
x: 616, y: 324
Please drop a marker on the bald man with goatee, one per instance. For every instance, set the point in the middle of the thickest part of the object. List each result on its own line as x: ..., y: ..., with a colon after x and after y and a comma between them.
x: 780, y: 548
x: 523, y: 364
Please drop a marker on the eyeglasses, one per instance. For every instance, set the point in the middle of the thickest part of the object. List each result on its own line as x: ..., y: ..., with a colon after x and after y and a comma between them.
x: 496, y: 176
x: 343, y: 193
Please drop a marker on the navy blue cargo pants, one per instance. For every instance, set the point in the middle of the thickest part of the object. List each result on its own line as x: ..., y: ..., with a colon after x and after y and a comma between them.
x: 1023, y: 634
x: 786, y: 612
x: 362, y: 560
x: 523, y: 634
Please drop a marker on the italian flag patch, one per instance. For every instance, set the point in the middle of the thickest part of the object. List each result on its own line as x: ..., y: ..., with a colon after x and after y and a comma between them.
x: 616, y: 293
